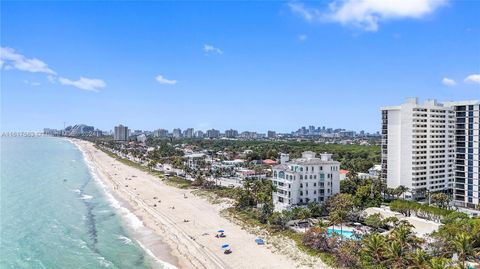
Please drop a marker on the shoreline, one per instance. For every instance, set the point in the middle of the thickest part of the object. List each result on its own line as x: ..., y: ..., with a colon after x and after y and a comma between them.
x: 160, y: 254
x: 183, y: 221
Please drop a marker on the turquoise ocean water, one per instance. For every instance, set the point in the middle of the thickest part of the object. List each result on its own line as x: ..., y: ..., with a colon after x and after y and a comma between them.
x: 54, y: 214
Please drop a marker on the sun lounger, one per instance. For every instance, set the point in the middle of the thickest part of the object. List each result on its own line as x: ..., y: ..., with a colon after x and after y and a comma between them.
x: 259, y: 241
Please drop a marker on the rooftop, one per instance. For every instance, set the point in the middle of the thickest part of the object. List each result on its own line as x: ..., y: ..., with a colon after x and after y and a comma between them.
x: 308, y: 158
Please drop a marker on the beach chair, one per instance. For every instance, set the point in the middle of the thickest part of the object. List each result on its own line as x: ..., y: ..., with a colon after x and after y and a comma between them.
x: 259, y: 241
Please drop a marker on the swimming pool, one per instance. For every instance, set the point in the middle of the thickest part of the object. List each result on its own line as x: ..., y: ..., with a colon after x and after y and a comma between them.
x: 344, y: 233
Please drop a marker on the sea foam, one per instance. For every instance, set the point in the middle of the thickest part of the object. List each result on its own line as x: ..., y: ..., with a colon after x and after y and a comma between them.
x: 132, y: 220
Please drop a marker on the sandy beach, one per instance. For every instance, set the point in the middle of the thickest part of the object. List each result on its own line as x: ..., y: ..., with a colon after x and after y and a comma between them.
x: 192, y: 243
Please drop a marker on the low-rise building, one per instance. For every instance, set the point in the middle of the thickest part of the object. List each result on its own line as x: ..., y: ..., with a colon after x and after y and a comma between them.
x: 375, y: 170
x: 343, y: 174
x: 192, y: 160
x: 142, y: 138
x: 304, y: 180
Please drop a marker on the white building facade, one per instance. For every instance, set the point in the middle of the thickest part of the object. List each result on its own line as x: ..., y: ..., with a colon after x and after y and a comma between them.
x: 304, y: 180
x: 433, y: 147
x: 418, y: 147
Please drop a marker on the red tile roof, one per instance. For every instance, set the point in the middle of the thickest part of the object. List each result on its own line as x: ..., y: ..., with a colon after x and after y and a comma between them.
x: 269, y: 162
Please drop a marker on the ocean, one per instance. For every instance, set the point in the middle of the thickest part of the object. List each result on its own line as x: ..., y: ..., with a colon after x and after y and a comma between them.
x: 55, y: 214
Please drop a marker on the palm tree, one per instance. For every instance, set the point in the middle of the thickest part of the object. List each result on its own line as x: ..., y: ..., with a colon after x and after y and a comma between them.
x: 341, y: 215
x: 397, y: 255
x: 336, y: 217
x: 419, y: 259
x: 374, y: 248
x: 404, y: 235
x: 401, y: 190
x: 439, y: 263
x: 463, y: 246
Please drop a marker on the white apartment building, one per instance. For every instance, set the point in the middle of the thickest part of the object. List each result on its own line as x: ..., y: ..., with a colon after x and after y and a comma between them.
x: 121, y: 133
x: 467, y: 162
x: 304, y: 180
x: 418, y: 147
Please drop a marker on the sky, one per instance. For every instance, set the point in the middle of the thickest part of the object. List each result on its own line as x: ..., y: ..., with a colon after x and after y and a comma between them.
x: 261, y: 65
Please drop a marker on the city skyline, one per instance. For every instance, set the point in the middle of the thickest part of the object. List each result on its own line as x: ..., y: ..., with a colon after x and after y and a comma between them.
x: 204, y: 65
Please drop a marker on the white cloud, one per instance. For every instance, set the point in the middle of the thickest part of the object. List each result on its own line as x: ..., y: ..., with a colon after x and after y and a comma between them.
x: 302, y: 37
x: 473, y: 78
x: 367, y: 14
x: 211, y: 49
x: 162, y: 80
x: 449, y: 82
x: 32, y: 83
x: 88, y: 84
x: 308, y: 14
x: 12, y: 59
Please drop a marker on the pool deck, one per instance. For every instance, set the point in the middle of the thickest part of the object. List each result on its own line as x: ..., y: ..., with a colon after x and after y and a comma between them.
x: 421, y: 227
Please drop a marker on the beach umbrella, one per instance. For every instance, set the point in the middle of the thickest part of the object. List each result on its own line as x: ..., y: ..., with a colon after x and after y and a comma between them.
x: 221, y: 231
x: 225, y: 247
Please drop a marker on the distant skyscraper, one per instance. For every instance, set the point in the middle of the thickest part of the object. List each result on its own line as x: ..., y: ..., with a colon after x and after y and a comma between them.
x: 199, y: 134
x: 177, y: 133
x: 271, y: 134
x: 231, y: 133
x: 213, y: 133
x: 162, y: 133
x: 188, y: 133
x: 121, y: 133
